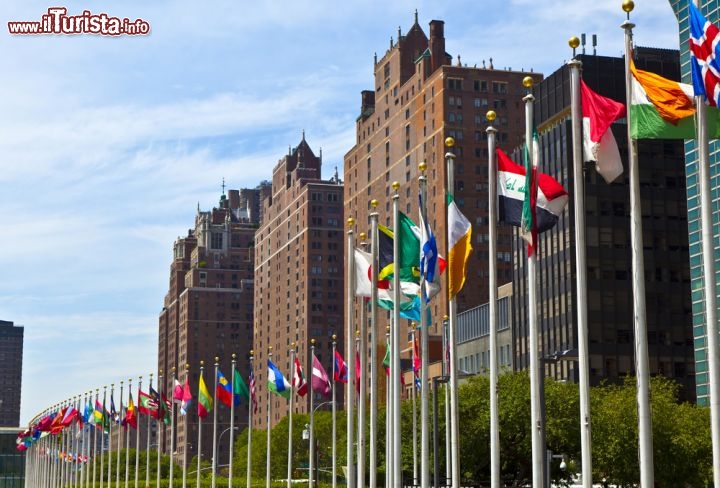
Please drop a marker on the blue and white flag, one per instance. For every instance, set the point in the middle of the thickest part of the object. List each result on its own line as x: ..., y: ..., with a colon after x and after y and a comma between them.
x: 277, y: 382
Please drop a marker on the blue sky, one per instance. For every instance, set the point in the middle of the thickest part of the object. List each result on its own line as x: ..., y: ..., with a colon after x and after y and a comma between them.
x: 109, y: 144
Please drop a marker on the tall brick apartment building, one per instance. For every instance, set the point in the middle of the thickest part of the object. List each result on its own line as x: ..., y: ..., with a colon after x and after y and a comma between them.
x: 208, y: 310
x: 421, y: 97
x: 299, y: 255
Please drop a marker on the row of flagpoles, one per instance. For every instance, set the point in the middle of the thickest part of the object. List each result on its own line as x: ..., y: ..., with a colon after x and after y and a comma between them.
x: 524, y: 197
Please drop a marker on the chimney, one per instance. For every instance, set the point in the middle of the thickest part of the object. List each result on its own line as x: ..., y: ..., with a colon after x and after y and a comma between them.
x: 436, y: 44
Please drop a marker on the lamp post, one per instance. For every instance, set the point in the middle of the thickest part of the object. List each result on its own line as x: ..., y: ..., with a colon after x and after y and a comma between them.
x: 550, y: 457
x: 234, y: 429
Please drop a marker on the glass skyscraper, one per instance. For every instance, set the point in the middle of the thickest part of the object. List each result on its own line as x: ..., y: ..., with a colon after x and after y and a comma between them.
x: 711, y: 10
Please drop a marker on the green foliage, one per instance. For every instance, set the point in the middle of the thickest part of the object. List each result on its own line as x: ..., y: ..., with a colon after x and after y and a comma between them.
x: 682, y: 448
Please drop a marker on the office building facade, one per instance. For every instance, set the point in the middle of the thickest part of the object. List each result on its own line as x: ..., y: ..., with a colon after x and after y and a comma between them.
x: 208, y: 313
x: 299, y: 294
x: 11, y: 356
x: 711, y: 10
x: 609, y: 263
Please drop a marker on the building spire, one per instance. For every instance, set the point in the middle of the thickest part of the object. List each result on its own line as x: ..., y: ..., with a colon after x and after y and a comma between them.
x: 303, y: 134
x: 416, y: 17
x: 223, y: 185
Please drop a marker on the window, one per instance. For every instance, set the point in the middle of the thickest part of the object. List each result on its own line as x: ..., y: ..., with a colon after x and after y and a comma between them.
x: 499, y: 87
x: 216, y: 240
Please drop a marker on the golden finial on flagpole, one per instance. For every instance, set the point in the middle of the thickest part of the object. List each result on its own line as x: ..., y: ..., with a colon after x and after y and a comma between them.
x: 362, y: 236
x: 312, y: 342
x: 395, y: 186
x: 374, y: 203
x: 350, y: 222
x: 628, y: 6
x: 357, y: 333
x: 423, y: 166
x: 527, y: 82
x: 334, y: 337
x: 449, y: 141
x: 490, y: 116
x: 574, y: 42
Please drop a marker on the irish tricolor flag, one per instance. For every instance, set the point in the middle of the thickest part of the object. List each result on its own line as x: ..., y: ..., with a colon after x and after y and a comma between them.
x: 551, y: 197
x: 665, y: 109
x: 459, y: 247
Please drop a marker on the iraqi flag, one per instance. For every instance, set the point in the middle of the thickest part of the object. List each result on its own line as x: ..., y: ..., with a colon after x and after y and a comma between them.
x: 551, y: 196
x: 598, y: 114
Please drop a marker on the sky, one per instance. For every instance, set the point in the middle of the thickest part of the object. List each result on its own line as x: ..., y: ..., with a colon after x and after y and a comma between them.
x: 108, y: 144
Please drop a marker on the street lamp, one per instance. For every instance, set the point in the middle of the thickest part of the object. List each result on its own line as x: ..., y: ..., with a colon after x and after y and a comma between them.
x: 220, y: 438
x: 550, y: 457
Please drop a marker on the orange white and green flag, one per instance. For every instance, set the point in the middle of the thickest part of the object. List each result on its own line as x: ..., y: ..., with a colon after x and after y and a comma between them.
x: 665, y: 109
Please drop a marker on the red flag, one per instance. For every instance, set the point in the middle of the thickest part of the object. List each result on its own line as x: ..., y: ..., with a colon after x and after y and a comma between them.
x: 598, y: 114
x: 341, y: 371
x: 252, y: 391
x: 298, y: 381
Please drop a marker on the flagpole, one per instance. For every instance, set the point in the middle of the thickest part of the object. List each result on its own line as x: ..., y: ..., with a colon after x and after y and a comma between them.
x: 172, y: 429
x: 160, y: 424
x: 109, y: 437
x: 232, y: 420
x: 446, y: 389
x: 580, y: 267
x: 334, y: 411
x: 215, y: 411
x: 127, y: 440
x: 311, y: 474
x: 396, y: 481
x: 199, y: 437
x: 137, y: 438
x: 536, y: 425
x: 647, y: 477
x: 373, y: 437
x: 119, y: 442
x: 350, y: 391
x: 251, y: 406
x: 269, y: 419
x: 414, y: 415
x: 709, y: 278
x: 185, y: 440
x: 424, y: 333
x: 388, y: 432
x: 290, y: 416
x: 452, y: 343
x: 102, y: 437
x: 360, y: 382
x: 147, y: 449
x: 83, y: 449
x: 492, y: 302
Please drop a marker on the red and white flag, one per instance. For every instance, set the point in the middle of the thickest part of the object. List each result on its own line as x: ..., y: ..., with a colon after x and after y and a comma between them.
x: 599, y: 145
x: 298, y: 381
x: 320, y: 380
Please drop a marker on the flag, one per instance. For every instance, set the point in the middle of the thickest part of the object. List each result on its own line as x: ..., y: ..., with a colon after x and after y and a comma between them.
x: 252, y: 391
x: 159, y: 411
x: 56, y: 426
x: 130, y: 416
x: 417, y: 363
x: 205, y: 401
x: 599, y: 145
x: 177, y: 392
x: 167, y: 408
x: 358, y: 371
x: 98, y: 415
x: 459, y: 247
x: 429, y: 265
x: 320, y: 380
x: 69, y: 416
x: 186, y: 398
x: 704, y: 54
x: 87, y: 413
x: 240, y: 388
x: 551, y: 198
x: 386, y: 359
x: 528, y: 218
x: 147, y: 405
x: 223, y: 389
x: 113, y: 412
x: 341, y: 371
x: 277, y: 382
x: 298, y: 381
